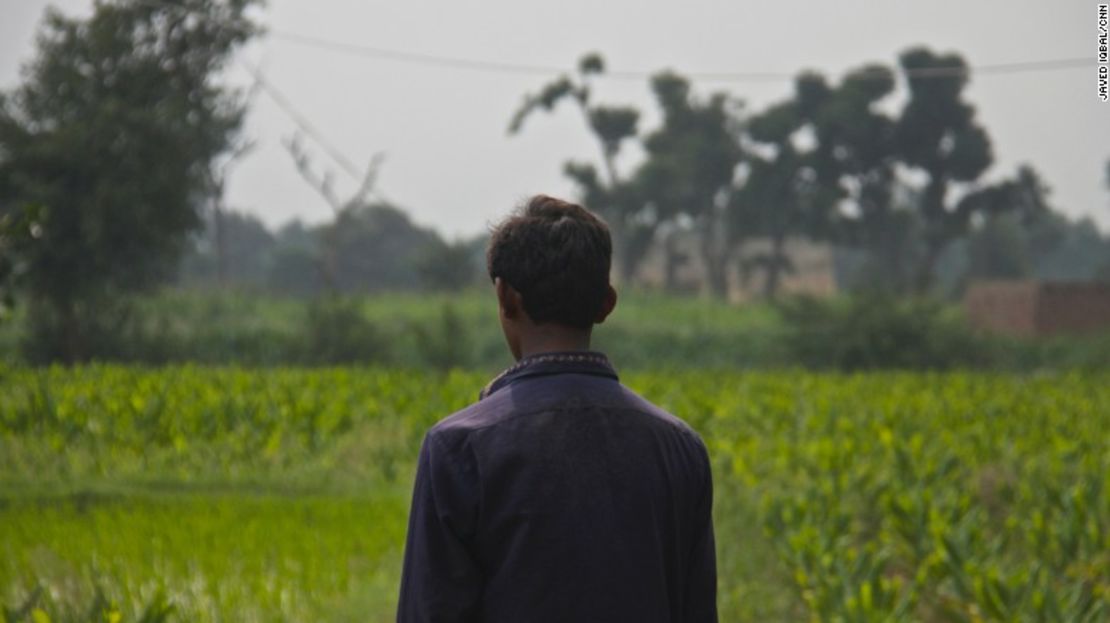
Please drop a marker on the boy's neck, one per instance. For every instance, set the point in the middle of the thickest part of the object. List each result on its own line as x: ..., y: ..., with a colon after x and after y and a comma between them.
x: 549, y: 338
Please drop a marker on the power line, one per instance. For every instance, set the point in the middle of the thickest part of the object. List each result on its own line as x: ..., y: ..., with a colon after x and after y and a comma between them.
x: 734, y: 76
x: 413, y: 57
x: 301, y: 120
x: 274, y: 94
x: 479, y: 65
x: 390, y: 54
x: 455, y: 62
x: 1009, y: 68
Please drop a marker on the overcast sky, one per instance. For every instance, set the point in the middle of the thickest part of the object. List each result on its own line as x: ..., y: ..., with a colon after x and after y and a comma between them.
x: 449, y: 161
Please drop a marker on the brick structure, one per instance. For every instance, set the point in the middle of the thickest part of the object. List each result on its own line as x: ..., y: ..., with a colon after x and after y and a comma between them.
x: 1035, y: 308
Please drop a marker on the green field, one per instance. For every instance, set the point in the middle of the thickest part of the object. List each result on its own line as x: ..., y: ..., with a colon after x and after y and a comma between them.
x: 225, y: 494
x: 418, y: 330
x: 649, y: 331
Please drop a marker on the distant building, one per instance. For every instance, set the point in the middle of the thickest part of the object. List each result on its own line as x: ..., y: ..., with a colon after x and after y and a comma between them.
x: 812, y: 271
x: 1037, y: 308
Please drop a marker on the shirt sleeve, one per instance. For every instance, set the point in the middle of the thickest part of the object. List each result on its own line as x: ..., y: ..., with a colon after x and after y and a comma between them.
x: 441, y: 580
x: 701, y: 594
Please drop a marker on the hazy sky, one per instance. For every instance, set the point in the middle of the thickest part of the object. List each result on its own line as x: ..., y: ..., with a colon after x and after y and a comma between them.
x: 450, y: 162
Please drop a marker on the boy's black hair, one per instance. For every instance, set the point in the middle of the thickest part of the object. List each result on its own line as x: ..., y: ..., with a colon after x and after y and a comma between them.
x: 556, y: 254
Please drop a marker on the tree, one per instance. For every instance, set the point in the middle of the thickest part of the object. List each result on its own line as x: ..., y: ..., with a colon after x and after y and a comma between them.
x: 998, y: 249
x: 937, y: 134
x: 1066, y: 250
x: 791, y: 189
x: 630, y: 223
x: 1014, y: 228
x: 769, y: 205
x: 905, y: 227
x: 323, y: 184
x: 690, y: 166
x: 19, y: 232
x: 218, y: 174
x: 112, y: 134
x: 235, y: 248
x: 294, y: 265
x: 450, y: 266
x: 688, y: 170
x: 857, y: 162
x: 377, y: 247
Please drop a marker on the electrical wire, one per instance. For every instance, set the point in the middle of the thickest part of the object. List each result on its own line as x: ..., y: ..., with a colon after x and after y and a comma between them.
x: 301, y: 120
x: 733, y: 76
x: 455, y: 62
x: 452, y: 62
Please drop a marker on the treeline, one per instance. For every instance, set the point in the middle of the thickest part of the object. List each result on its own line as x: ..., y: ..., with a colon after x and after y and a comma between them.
x: 896, y: 179
x: 1050, y: 247
x: 369, y: 248
x: 377, y: 248
x: 899, y: 192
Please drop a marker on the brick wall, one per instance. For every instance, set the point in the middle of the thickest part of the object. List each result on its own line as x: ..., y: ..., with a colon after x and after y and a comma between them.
x: 1030, y: 308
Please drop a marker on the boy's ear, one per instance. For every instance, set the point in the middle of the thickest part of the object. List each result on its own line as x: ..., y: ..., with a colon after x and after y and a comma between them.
x: 607, y: 306
x: 508, y: 298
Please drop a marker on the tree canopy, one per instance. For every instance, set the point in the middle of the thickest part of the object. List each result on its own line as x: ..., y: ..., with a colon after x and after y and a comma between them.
x: 110, y: 138
x: 836, y: 162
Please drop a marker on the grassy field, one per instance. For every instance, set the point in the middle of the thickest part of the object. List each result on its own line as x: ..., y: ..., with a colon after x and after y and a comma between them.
x: 414, y: 331
x: 649, y: 330
x: 219, y: 494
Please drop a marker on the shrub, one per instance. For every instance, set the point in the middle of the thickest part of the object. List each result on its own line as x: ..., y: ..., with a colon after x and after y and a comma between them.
x: 877, y: 331
x: 337, y: 332
x: 445, y: 343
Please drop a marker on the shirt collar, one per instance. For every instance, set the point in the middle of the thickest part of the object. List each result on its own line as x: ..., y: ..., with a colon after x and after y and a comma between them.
x: 574, y: 362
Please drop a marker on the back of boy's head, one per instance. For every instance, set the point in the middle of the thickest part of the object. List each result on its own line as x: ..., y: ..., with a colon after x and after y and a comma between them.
x: 556, y: 254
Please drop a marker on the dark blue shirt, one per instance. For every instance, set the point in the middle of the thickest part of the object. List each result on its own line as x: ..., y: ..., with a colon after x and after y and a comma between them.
x: 560, y: 496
